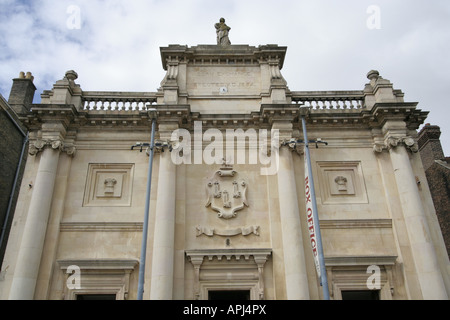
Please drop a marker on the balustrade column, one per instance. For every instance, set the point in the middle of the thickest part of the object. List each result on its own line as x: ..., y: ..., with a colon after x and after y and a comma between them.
x: 31, y: 246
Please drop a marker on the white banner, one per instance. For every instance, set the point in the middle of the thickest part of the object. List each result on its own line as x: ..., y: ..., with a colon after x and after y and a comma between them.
x: 312, y: 224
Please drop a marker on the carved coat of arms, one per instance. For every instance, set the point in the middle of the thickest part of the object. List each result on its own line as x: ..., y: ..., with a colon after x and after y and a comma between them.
x: 226, y: 192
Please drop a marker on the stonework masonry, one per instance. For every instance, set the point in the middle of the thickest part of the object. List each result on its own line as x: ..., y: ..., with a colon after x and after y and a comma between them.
x: 227, y: 204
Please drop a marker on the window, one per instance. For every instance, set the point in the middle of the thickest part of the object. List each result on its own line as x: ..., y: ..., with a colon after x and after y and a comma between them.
x: 360, y: 295
x: 355, y: 278
x: 224, y: 274
x: 96, y: 297
x: 99, y: 279
x: 229, y: 295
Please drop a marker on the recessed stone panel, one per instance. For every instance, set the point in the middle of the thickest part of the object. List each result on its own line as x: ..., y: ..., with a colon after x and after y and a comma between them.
x: 108, y: 185
x: 341, y: 182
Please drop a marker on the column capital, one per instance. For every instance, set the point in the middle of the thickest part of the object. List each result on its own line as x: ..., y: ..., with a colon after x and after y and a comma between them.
x: 39, y: 145
x: 392, y: 142
x: 393, y: 134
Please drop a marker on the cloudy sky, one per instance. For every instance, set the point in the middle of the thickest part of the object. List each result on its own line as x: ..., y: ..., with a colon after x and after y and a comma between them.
x: 113, y: 45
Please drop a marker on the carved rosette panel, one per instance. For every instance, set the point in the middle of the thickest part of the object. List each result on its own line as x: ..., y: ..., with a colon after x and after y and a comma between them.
x: 38, y: 145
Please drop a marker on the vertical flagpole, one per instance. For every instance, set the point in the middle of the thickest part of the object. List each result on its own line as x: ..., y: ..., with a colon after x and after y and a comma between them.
x: 147, y: 208
x: 323, y: 271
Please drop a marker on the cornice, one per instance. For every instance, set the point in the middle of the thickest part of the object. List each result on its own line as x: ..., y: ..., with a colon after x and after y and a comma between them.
x: 210, y: 254
x: 101, y: 226
x: 399, y: 111
x: 373, y: 118
x: 99, y: 264
x: 360, y: 260
x: 214, y: 54
x: 40, y: 113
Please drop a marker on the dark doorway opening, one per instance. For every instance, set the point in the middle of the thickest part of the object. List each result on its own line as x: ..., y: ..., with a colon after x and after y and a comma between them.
x: 229, y: 295
x: 361, y: 295
x: 96, y: 297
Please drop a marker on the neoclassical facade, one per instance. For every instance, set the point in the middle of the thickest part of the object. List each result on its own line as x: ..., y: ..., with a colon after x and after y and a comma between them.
x: 227, y: 203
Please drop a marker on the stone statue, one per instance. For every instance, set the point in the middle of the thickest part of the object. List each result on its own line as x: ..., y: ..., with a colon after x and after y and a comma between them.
x: 222, y: 33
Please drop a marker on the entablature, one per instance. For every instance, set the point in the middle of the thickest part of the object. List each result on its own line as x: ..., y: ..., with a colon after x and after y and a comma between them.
x: 219, y: 55
x: 325, y: 108
x: 397, y: 111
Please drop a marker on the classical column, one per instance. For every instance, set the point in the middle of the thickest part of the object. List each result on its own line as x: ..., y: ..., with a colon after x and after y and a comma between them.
x: 53, y: 227
x: 424, y: 253
x: 164, y: 236
x: 30, y: 250
x: 294, y: 256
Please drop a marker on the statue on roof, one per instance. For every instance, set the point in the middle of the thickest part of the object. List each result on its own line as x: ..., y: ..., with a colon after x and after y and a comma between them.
x: 222, y: 33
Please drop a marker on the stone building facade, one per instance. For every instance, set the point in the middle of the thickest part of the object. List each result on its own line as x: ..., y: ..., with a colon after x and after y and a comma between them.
x: 227, y: 204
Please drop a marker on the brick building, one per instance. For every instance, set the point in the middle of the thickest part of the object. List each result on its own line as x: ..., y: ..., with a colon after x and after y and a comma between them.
x: 13, y: 146
x: 437, y: 170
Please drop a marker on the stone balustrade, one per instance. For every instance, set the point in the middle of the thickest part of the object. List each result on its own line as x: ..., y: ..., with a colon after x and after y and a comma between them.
x: 117, y: 101
x: 329, y: 100
x: 137, y: 101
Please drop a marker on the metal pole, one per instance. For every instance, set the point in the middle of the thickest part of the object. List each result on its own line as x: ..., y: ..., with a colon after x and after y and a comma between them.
x: 323, y: 271
x: 147, y: 208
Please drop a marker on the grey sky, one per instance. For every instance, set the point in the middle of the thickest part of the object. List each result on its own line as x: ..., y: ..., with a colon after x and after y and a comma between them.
x: 330, y: 46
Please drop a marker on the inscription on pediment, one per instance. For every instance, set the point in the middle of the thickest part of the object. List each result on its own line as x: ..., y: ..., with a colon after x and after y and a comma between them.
x: 341, y: 182
x: 231, y: 80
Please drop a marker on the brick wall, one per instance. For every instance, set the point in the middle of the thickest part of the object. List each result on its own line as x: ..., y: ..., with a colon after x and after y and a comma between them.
x: 438, y: 176
x: 11, y: 142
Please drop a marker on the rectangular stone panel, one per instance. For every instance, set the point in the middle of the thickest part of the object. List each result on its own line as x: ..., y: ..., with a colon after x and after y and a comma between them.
x: 341, y: 182
x: 223, y: 81
x: 108, y: 185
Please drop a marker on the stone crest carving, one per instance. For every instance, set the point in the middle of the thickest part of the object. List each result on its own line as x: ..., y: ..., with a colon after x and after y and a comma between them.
x: 226, y: 192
